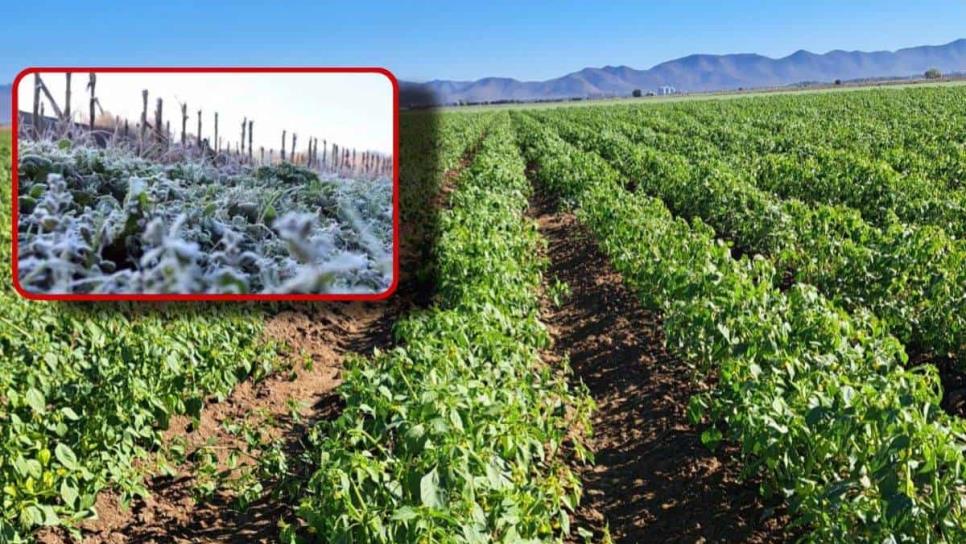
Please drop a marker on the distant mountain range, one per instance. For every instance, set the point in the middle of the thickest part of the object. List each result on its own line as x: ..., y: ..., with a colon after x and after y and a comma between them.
x: 6, y: 102
x: 697, y: 73
x: 694, y: 73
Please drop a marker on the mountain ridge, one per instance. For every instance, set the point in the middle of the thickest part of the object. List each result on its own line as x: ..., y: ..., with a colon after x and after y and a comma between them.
x: 698, y: 72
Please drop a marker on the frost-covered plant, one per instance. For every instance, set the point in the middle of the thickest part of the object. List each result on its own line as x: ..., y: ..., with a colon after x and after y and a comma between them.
x: 107, y: 221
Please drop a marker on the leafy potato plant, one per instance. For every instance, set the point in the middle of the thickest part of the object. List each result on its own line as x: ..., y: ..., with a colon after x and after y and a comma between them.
x: 105, y: 221
x: 86, y: 391
x: 817, y: 399
x: 456, y: 434
x: 913, y: 277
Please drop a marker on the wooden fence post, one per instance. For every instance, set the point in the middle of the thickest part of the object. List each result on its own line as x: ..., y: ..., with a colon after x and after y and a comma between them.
x: 91, y: 84
x: 35, y: 119
x: 283, y: 146
x: 217, y: 142
x: 67, y: 99
x: 144, y: 120
x: 184, y: 123
x: 294, y: 157
x: 159, y: 136
x: 198, y: 137
x: 250, y: 126
x: 244, y: 124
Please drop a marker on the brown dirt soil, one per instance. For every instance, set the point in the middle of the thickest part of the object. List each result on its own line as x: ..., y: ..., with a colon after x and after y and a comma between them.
x: 952, y: 378
x: 653, y: 480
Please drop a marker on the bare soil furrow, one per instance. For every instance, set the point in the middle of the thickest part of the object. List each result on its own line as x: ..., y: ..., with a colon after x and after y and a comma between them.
x: 652, y: 480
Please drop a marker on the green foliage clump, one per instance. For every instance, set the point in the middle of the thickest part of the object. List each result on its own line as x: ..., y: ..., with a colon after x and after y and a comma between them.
x: 828, y: 217
x: 86, y: 391
x: 818, y: 400
x: 455, y: 435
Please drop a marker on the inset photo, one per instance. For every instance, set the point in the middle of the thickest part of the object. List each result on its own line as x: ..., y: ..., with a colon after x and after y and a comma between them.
x: 205, y: 184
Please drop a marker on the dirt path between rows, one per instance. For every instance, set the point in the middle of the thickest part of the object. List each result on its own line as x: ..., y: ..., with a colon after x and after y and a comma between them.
x: 653, y: 480
x: 321, y: 333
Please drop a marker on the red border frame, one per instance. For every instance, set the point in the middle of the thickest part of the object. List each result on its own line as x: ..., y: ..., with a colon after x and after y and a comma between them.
x: 212, y: 297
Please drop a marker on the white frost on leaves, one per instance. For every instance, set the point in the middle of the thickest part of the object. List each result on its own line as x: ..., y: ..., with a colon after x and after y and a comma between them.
x: 105, y: 221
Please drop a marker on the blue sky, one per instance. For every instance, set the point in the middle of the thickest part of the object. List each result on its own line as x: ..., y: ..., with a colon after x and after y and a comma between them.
x: 455, y: 40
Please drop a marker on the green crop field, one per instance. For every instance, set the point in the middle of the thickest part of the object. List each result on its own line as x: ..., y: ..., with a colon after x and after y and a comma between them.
x: 722, y: 95
x: 807, y: 249
x: 87, y: 390
x: 800, y: 256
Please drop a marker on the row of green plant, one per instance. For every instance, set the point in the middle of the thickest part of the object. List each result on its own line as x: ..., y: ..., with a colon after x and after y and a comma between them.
x: 913, y: 278
x: 431, y: 145
x: 455, y: 435
x: 818, y: 400
x: 883, y: 196
x: 86, y: 391
x: 776, y: 141
x: 919, y: 133
x: 817, y: 172
x: 112, y: 377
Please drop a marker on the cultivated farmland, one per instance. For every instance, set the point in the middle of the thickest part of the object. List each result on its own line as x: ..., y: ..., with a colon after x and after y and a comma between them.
x: 729, y: 321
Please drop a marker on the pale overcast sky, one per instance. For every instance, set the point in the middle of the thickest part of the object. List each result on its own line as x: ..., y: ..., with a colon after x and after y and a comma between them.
x: 353, y: 110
